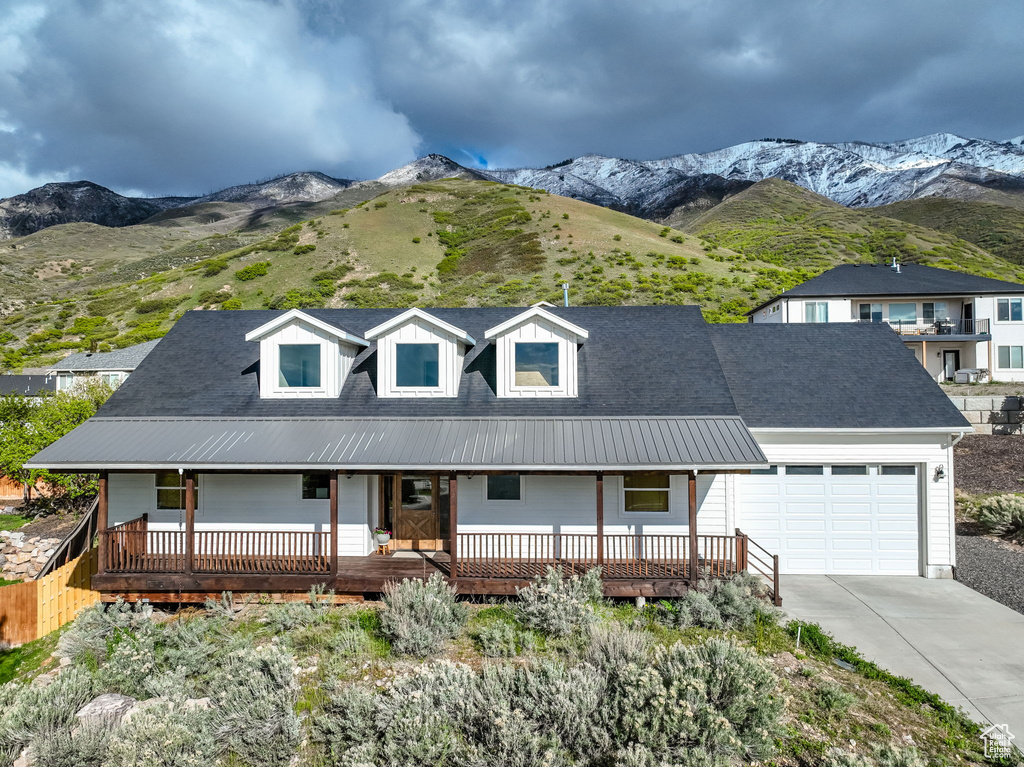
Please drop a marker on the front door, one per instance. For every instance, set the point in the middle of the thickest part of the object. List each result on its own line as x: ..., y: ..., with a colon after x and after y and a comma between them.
x: 950, y: 363
x: 420, y: 506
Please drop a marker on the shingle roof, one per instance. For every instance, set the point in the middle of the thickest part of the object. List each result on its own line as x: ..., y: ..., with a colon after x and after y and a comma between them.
x: 27, y: 385
x: 841, y: 375
x: 119, y: 359
x: 883, y: 280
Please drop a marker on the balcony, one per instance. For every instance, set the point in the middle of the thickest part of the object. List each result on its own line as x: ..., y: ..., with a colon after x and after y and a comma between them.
x: 971, y: 329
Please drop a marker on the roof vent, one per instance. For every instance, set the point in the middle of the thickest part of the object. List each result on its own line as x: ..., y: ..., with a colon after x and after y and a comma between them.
x: 895, y: 265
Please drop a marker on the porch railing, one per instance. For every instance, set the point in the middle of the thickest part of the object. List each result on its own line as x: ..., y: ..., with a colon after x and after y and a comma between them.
x: 939, y: 327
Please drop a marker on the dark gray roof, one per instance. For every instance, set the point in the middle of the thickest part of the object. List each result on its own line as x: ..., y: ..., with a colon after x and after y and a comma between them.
x: 410, y: 443
x: 28, y: 385
x: 841, y: 375
x: 883, y: 280
x: 127, y: 358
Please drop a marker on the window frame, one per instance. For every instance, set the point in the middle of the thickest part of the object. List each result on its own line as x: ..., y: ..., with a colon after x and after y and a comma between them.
x: 1010, y: 303
x: 916, y: 318
x: 646, y: 512
x: 818, y: 307
x: 416, y: 388
x: 179, y: 488
x: 324, y: 352
x: 871, y: 312
x: 504, y: 501
x: 935, y: 317
x: 558, y: 386
x: 1009, y: 357
x: 302, y: 486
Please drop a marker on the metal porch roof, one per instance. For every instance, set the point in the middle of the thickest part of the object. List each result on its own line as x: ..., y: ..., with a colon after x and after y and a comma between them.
x: 465, y: 444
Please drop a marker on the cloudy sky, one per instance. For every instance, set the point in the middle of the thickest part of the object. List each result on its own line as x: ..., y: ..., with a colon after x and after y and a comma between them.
x: 189, y: 96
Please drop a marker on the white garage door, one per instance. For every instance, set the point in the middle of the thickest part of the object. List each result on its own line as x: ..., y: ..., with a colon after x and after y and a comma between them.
x: 834, y: 519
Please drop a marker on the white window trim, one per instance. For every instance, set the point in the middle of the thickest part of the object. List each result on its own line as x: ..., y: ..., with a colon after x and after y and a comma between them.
x: 309, y: 391
x: 441, y: 383
x: 504, y: 503
x: 669, y: 512
x: 559, y: 388
x: 1009, y: 346
x: 995, y: 314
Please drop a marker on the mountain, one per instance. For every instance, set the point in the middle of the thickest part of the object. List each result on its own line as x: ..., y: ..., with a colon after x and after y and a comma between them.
x: 66, y: 202
x: 433, y: 167
x: 307, y: 186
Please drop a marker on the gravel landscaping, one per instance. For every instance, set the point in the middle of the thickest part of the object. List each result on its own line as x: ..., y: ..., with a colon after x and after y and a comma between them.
x: 986, y: 464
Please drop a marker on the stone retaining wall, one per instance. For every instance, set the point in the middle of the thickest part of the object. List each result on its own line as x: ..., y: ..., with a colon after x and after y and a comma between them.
x: 993, y: 415
x: 22, y: 557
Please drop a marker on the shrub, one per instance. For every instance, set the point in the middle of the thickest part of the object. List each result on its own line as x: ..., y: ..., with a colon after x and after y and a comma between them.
x: 87, y: 747
x: 86, y: 640
x: 833, y: 699
x: 252, y: 271
x: 617, y: 238
x: 498, y: 640
x: 614, y: 647
x: 836, y: 757
x: 30, y: 710
x: 232, y: 303
x: 214, y: 267
x: 1003, y: 515
x: 418, y: 616
x: 160, y: 736
x: 307, y: 248
x: 702, y: 611
x: 740, y: 600
x: 559, y: 606
x: 157, y: 305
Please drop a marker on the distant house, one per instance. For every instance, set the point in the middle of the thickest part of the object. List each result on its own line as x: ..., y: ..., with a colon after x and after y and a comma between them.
x: 27, y: 385
x: 110, y: 367
x: 950, y: 320
x: 257, y: 451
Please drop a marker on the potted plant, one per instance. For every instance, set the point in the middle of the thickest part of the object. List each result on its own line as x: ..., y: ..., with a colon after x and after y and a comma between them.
x: 382, y: 535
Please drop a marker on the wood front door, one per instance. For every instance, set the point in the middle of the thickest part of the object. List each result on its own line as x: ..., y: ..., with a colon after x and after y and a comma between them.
x: 417, y: 512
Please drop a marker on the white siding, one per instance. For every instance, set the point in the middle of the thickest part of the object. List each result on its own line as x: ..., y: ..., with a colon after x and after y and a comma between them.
x: 336, y: 359
x: 418, y: 331
x: 1003, y: 334
x: 537, y: 330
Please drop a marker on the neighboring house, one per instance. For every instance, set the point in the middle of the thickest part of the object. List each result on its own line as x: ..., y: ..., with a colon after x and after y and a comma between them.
x: 110, y: 367
x: 256, y: 451
x: 951, y: 321
x: 27, y: 385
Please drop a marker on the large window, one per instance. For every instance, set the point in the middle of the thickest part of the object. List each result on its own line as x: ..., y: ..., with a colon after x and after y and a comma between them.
x: 298, y: 365
x: 646, y: 494
x: 170, y: 490
x: 65, y: 381
x: 816, y: 311
x: 1009, y: 310
x: 536, y: 364
x: 906, y: 313
x: 504, y: 487
x: 316, y: 486
x: 416, y: 365
x: 1011, y: 357
x: 934, y: 311
x: 871, y: 312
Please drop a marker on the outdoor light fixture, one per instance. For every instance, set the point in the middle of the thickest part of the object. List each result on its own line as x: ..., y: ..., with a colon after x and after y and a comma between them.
x: 940, y: 472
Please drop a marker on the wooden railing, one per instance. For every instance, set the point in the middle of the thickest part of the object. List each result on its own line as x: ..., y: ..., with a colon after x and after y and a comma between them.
x: 261, y: 551
x: 759, y: 561
x: 523, y: 555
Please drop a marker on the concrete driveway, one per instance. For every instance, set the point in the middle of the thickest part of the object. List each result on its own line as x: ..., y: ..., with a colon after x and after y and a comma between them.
x: 949, y: 639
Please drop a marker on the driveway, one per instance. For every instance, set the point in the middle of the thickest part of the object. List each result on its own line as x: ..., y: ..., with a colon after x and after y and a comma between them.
x: 949, y: 639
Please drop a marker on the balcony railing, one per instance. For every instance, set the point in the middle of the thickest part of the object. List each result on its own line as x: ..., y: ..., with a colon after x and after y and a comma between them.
x: 939, y: 327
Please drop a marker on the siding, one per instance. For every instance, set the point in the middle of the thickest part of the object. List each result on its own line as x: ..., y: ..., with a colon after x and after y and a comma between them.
x: 336, y: 360
x: 449, y: 360
x: 537, y: 331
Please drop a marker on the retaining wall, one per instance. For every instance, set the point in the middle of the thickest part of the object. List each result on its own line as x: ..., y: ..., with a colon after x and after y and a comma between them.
x: 993, y: 415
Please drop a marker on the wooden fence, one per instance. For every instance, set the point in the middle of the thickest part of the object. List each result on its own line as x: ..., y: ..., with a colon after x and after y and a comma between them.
x: 33, y: 609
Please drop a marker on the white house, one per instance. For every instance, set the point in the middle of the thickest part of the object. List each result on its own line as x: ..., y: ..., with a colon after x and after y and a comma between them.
x: 952, y: 321
x: 111, y: 367
x: 258, y: 451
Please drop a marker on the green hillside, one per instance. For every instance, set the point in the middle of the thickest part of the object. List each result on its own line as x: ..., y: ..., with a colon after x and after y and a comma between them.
x: 996, y: 228
x: 446, y: 243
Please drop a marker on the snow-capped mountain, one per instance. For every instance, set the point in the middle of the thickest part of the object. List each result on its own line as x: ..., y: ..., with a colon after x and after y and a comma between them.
x: 305, y: 186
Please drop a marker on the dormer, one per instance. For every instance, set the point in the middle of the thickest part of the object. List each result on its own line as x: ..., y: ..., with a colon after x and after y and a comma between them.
x: 536, y: 355
x: 419, y: 355
x: 303, y: 357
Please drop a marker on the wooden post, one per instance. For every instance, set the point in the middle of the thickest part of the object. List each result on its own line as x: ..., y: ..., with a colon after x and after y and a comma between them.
x: 453, y: 527
x: 190, y: 521
x: 600, y: 522
x: 101, y: 523
x: 741, y: 551
x: 334, y: 523
x: 692, y: 482
x: 924, y: 353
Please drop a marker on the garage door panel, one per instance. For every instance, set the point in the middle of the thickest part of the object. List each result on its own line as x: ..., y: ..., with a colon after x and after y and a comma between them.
x: 842, y: 524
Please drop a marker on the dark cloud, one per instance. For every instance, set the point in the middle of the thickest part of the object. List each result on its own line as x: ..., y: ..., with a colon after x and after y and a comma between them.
x: 173, y: 95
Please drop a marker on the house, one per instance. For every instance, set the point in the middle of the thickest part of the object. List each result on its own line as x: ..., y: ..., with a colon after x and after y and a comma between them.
x: 952, y: 321
x: 111, y: 367
x: 256, y: 451
x: 27, y: 385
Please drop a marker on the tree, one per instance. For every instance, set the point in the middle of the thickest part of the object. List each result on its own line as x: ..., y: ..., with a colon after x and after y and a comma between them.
x: 28, y: 424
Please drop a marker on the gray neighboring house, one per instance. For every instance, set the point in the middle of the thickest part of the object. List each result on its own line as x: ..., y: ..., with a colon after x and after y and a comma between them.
x: 27, y: 385
x: 112, y: 367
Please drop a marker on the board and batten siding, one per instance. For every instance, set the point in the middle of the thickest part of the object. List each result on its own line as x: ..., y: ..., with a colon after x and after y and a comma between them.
x: 336, y: 360
x: 537, y: 330
x: 417, y: 331
x: 926, y: 451
x: 253, y: 502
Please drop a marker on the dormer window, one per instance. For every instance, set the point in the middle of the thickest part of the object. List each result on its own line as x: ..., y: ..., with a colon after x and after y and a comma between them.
x: 536, y: 354
x: 417, y: 365
x: 419, y: 355
x: 302, y: 356
x: 298, y: 365
x: 536, y: 364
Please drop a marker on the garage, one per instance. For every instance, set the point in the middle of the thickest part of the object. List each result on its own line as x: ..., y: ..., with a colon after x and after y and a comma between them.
x: 843, y: 519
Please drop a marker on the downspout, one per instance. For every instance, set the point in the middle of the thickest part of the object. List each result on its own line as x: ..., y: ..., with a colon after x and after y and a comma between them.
x: 957, y: 440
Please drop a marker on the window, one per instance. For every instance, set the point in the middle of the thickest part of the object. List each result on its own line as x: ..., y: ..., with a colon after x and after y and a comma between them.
x: 898, y: 471
x: 65, y: 381
x: 769, y: 470
x: 1011, y: 357
x: 504, y: 487
x: 1009, y: 310
x: 536, y: 364
x: 416, y: 365
x: 816, y: 311
x: 170, y: 490
x: 905, y: 313
x: 849, y: 471
x: 298, y: 365
x: 870, y: 312
x: 646, y: 493
x: 934, y: 311
x: 774, y: 308
x: 801, y: 471
x: 316, y: 486
x: 112, y: 379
